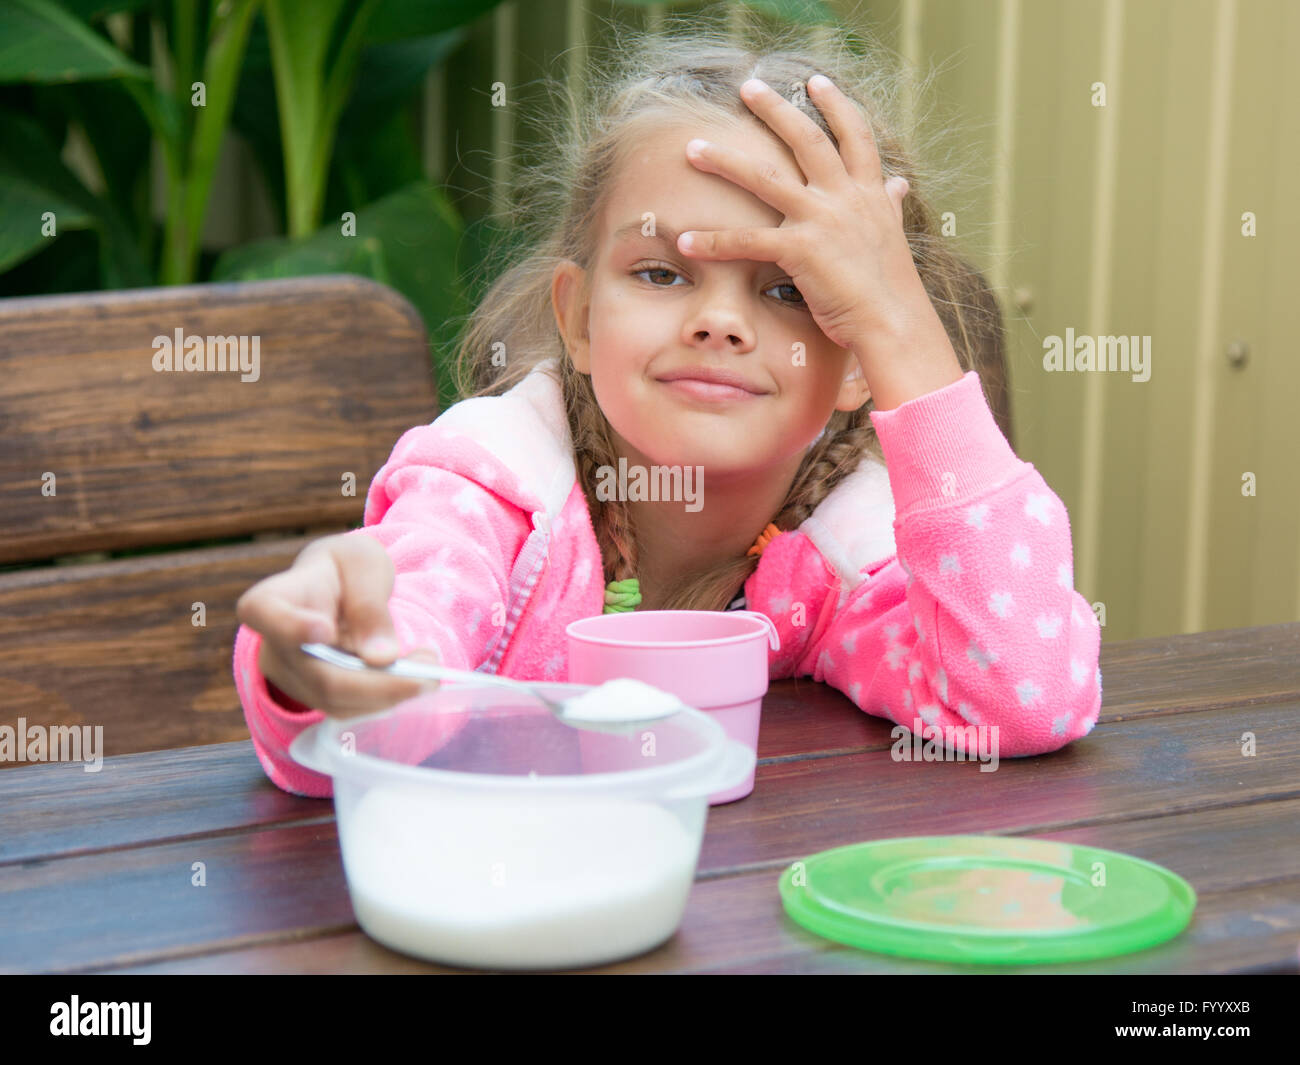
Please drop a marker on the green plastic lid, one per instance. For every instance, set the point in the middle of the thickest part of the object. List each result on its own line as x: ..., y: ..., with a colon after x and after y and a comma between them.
x: 986, y: 899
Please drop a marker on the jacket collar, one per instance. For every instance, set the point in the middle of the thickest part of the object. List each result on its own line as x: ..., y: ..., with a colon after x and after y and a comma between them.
x: 527, y: 430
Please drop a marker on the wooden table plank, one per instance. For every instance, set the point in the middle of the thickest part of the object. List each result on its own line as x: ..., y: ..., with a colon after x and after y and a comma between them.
x: 1122, y: 771
x: 63, y: 915
x: 1200, y: 671
x: 801, y: 718
x: 52, y: 809
x: 735, y: 923
x: 59, y: 809
x: 1218, y: 941
x: 1248, y: 909
x: 1129, y: 769
x: 1148, y: 768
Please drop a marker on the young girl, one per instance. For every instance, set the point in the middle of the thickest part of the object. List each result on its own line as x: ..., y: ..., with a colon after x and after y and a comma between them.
x: 734, y: 276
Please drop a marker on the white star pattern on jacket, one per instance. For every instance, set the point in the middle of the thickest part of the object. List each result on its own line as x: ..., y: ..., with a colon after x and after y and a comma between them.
x: 1030, y: 692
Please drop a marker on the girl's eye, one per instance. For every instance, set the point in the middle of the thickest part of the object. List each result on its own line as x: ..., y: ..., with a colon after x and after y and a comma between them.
x: 655, y: 268
x: 791, y: 287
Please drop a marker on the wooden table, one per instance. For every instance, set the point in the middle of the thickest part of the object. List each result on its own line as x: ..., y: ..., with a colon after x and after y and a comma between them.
x: 96, y: 868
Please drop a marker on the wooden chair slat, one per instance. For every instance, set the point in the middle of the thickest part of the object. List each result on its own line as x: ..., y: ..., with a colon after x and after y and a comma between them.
x: 143, y: 457
x: 114, y: 644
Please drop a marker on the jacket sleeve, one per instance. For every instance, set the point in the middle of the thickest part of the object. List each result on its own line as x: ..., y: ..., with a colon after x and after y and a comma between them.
x: 452, y: 541
x: 976, y: 620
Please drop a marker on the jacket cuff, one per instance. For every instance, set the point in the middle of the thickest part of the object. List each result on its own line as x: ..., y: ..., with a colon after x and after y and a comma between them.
x: 944, y: 447
x: 273, y: 726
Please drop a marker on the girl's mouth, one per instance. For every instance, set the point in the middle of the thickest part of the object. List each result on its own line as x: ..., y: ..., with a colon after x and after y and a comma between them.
x: 707, y: 391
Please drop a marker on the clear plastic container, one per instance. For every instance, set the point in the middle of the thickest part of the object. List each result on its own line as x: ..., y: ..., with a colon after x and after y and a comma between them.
x: 478, y: 830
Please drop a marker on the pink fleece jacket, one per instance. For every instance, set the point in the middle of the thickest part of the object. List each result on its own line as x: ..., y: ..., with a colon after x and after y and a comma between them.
x: 970, y: 617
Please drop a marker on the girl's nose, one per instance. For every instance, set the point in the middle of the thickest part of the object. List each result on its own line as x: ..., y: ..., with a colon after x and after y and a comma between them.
x: 720, y: 327
x: 703, y: 336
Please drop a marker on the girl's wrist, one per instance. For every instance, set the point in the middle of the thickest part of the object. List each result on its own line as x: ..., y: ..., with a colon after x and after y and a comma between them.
x: 908, y: 359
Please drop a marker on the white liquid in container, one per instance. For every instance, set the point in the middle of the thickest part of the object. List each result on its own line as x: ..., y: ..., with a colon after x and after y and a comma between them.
x: 535, y: 882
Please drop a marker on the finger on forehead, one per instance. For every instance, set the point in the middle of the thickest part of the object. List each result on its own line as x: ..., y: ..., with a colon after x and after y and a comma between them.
x: 857, y: 142
x: 743, y: 169
x: 753, y: 243
x: 812, y: 149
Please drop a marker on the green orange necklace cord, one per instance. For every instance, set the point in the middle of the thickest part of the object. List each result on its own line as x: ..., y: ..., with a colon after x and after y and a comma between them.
x: 625, y: 595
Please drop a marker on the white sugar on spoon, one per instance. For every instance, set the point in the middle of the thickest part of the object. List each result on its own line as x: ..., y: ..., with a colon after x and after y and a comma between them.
x: 622, y: 700
x: 616, y: 706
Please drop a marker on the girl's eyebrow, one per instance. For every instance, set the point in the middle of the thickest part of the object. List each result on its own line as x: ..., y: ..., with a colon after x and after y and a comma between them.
x: 663, y: 234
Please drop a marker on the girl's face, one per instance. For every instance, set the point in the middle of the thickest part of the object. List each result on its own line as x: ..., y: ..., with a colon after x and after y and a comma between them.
x: 652, y: 310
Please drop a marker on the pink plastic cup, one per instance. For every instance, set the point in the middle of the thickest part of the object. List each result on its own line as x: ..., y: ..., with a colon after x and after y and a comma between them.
x: 712, y: 660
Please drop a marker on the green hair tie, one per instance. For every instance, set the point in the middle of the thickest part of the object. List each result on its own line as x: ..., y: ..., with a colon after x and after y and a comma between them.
x: 622, y: 596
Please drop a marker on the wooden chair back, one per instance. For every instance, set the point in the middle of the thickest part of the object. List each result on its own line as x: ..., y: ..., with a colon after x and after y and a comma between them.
x: 104, y: 448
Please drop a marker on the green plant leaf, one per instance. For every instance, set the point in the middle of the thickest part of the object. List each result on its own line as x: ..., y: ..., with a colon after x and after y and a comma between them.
x: 376, y: 147
x: 257, y: 120
x: 22, y: 208
x: 401, y: 19
x: 120, y: 137
x: 315, y: 49
x: 31, y: 171
x: 34, y: 180
x: 29, y: 154
x: 227, y: 36
x: 486, y: 249
x: 40, y: 41
x: 807, y: 12
x: 388, y: 76
x: 368, y: 167
x: 68, y: 264
x: 407, y: 240
x: 88, y: 10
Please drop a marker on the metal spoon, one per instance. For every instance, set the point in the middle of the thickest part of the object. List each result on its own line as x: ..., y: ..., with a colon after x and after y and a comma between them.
x: 414, y: 669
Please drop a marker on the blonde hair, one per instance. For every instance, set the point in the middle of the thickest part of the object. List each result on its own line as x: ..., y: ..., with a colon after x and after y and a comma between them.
x: 694, y: 77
